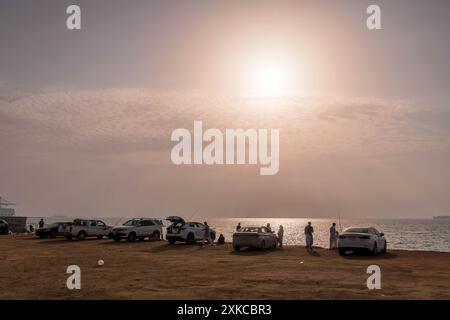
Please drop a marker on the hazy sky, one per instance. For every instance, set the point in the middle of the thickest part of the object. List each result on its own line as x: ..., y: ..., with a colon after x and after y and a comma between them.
x: 86, y: 116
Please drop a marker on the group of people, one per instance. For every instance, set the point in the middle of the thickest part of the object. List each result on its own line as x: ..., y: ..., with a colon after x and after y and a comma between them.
x: 309, y: 230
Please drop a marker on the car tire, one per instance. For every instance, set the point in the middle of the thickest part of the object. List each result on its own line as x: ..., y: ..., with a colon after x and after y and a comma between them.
x: 385, y: 247
x: 190, y: 238
x: 117, y: 239
x: 374, y: 251
x: 156, y: 235
x: 341, y: 252
x: 53, y: 234
x: 237, y: 249
x: 81, y: 235
x: 131, y: 237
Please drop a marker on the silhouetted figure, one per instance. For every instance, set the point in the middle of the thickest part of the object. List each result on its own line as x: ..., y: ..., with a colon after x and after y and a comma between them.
x: 268, y: 227
x: 309, y: 230
x: 207, y: 236
x: 280, y: 236
x: 333, y: 236
x: 221, y: 239
x: 238, y: 228
x: 41, y: 223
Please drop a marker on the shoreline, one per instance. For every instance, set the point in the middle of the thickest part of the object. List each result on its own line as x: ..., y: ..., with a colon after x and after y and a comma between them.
x: 33, y: 268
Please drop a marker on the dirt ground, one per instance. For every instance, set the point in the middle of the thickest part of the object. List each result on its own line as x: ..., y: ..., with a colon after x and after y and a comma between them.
x: 32, y: 268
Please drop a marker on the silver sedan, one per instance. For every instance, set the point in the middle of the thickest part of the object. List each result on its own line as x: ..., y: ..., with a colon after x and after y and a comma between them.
x: 254, y: 237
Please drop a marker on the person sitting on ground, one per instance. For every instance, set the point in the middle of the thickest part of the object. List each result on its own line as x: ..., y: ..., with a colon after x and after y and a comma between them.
x: 280, y: 236
x: 221, y: 239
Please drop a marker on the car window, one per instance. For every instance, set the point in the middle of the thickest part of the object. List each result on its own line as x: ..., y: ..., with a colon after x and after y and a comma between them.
x: 147, y: 223
x: 193, y: 225
x: 101, y: 224
x: 93, y: 223
x: 357, y: 230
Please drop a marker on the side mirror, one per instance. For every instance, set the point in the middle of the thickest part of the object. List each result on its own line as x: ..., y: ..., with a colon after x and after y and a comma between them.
x: 381, y: 234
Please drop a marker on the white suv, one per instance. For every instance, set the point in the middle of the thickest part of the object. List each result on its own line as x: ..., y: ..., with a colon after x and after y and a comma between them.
x: 82, y: 229
x: 188, y: 232
x: 138, y: 229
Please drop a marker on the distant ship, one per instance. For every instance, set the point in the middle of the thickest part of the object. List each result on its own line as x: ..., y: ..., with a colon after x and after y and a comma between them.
x: 441, y: 218
x: 16, y: 224
x: 6, y: 212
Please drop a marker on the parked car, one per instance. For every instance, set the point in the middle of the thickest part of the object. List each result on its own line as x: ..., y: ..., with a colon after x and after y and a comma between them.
x: 51, y: 231
x: 4, y: 227
x: 138, y: 229
x: 83, y: 229
x: 254, y: 237
x: 358, y: 239
x: 188, y: 232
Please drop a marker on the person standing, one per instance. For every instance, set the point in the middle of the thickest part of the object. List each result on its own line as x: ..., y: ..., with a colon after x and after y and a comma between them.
x: 309, y: 230
x: 41, y: 223
x: 238, y: 228
x: 268, y: 227
x: 280, y: 236
x: 333, y: 236
x: 207, y: 236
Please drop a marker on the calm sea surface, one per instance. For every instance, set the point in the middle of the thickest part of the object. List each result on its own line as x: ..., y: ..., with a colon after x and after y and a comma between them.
x: 408, y: 234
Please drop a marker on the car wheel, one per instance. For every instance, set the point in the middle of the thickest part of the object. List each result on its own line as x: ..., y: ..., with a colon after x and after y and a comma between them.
x: 131, y: 237
x: 117, y: 239
x: 53, y: 234
x: 213, y: 236
x: 156, y: 236
x: 385, y: 247
x: 237, y: 249
x: 341, y: 251
x: 375, y: 249
x: 190, y: 238
x: 81, y: 235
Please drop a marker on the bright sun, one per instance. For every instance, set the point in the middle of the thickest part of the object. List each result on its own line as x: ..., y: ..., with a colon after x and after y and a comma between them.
x: 270, y: 79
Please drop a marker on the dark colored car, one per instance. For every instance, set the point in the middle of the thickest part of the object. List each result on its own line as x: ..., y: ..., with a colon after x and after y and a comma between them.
x: 51, y: 231
x: 4, y: 228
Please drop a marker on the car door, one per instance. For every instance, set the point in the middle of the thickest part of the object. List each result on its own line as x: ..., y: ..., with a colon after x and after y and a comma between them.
x: 101, y: 228
x: 199, y: 230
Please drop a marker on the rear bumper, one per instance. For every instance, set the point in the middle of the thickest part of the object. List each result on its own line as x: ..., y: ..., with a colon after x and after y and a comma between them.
x: 354, y: 244
x: 171, y: 237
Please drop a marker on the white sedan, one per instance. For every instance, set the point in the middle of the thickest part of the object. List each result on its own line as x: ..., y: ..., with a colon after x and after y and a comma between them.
x: 357, y: 239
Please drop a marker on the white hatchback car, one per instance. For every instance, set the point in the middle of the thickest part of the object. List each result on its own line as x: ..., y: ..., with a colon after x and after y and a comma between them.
x: 188, y: 232
x: 357, y: 239
x: 138, y: 229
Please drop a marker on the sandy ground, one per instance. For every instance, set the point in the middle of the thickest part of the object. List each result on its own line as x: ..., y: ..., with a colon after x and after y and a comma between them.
x: 32, y: 268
